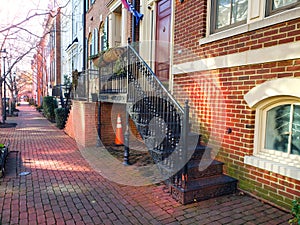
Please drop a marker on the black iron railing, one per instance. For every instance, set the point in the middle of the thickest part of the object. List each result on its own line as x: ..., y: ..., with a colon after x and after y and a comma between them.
x: 161, y: 120
x: 88, y: 85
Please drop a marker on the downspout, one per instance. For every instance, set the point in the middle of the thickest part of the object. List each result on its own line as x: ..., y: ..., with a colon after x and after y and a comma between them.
x: 133, y: 24
x: 83, y: 33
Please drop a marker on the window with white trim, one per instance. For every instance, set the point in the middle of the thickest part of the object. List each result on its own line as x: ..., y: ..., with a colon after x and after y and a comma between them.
x: 104, y: 35
x: 228, y: 13
x: 282, y: 128
x: 95, y: 39
x: 276, y: 6
x: 233, y: 16
x: 87, y: 5
x: 277, y: 136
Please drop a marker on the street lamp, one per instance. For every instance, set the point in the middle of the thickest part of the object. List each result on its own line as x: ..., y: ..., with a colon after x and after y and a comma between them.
x: 4, y: 52
x: 15, y: 94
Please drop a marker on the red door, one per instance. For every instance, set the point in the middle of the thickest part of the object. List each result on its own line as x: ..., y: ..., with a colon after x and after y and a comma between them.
x: 162, y: 56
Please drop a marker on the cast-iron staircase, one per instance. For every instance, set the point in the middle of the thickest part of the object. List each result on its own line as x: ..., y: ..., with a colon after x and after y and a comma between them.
x: 165, y: 128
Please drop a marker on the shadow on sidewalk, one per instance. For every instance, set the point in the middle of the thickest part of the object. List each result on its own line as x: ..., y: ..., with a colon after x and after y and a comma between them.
x: 8, y: 125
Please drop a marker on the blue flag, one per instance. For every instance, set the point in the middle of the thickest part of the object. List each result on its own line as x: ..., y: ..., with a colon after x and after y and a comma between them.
x: 138, y: 16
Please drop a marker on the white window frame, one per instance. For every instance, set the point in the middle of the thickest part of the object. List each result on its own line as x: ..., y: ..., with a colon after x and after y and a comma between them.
x: 214, y: 19
x: 94, y: 42
x: 270, y: 11
x: 262, y: 98
x: 257, y: 19
x: 261, y: 114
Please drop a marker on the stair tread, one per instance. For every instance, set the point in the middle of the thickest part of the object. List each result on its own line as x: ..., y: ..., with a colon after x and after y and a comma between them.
x: 195, y: 163
x: 209, y: 181
x: 194, y: 147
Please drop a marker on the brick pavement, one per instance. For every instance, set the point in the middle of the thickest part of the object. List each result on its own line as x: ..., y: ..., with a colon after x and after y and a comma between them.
x: 62, y: 188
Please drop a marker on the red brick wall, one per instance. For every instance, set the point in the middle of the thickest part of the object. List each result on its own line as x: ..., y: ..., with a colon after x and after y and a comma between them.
x: 190, y: 21
x: 93, y: 15
x: 100, y: 8
x: 109, y: 113
x: 233, y: 84
x: 58, y: 48
x: 190, y: 26
x: 81, y: 123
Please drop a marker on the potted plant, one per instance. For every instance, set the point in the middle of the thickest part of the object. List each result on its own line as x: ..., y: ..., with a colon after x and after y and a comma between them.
x: 296, y: 213
x: 119, y: 67
x: 3, y: 155
x: 112, y: 54
x: 107, y: 56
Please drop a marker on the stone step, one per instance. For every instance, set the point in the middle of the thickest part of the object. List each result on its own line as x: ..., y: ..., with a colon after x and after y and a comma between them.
x: 205, y: 188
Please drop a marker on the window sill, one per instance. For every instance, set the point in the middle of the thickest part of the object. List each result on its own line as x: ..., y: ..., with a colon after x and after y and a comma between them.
x: 273, y: 166
x: 267, y: 21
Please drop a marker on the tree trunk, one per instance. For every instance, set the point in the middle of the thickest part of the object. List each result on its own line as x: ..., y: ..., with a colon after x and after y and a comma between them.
x: 1, y: 102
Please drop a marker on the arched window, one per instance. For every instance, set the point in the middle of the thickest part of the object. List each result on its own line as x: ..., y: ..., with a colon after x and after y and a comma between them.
x: 280, y: 128
x: 277, y: 126
x: 95, y: 42
x: 104, y: 35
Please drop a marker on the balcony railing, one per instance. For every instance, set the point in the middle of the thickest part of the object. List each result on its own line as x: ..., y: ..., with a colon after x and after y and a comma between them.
x: 110, y: 77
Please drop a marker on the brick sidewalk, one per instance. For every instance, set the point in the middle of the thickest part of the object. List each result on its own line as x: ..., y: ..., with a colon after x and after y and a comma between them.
x: 62, y: 188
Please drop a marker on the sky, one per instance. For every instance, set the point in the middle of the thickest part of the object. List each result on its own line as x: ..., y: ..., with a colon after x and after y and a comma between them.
x: 13, y: 12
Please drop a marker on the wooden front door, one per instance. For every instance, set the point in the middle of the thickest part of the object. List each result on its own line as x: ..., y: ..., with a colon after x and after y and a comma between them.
x: 163, y: 34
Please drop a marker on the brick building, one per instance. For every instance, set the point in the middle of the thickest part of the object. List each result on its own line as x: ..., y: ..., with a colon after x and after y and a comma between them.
x: 46, y: 63
x: 239, y: 65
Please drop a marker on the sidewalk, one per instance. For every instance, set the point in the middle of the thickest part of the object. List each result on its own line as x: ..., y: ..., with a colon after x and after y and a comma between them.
x: 62, y: 188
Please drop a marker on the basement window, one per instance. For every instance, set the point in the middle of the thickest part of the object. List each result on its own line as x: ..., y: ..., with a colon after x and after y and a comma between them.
x: 277, y: 128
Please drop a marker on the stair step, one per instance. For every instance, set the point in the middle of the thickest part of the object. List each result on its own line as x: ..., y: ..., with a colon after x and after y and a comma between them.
x: 196, y: 154
x: 194, y: 136
x: 205, y: 188
x: 199, y: 152
x: 212, y: 168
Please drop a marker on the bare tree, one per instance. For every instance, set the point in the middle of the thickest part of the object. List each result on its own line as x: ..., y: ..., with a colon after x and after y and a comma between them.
x: 21, y: 41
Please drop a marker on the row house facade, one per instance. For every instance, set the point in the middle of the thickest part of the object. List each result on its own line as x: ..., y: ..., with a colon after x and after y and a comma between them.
x: 73, y: 39
x: 46, y: 63
x: 236, y: 62
x: 239, y: 67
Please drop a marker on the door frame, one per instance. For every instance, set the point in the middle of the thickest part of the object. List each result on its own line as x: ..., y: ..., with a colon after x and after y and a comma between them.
x: 151, y: 7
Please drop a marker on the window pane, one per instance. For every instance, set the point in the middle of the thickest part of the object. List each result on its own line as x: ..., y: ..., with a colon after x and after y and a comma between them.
x: 230, y: 12
x: 223, y: 13
x: 277, y: 128
x: 239, y: 11
x: 281, y: 3
x: 296, y: 131
x: 95, y: 43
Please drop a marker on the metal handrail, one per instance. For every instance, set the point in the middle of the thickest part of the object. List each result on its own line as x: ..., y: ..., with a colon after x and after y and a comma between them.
x: 151, y: 99
x: 156, y: 79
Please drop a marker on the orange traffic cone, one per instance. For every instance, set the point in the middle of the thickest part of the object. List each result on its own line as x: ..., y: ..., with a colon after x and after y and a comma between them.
x: 119, y: 133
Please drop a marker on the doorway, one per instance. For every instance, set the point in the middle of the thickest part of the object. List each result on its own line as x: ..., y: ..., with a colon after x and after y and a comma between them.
x: 163, y: 37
